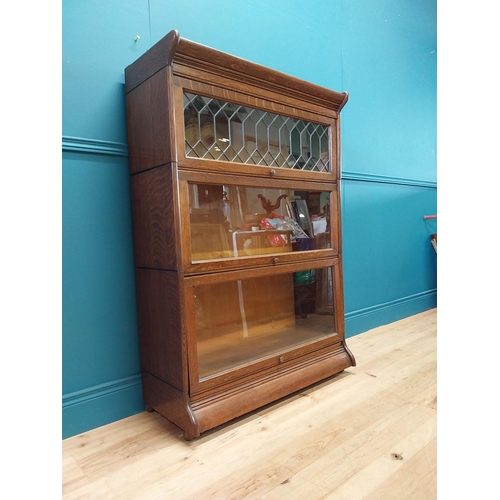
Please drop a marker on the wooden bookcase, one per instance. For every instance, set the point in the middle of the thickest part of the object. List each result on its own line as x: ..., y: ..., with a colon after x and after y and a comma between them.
x: 234, y: 177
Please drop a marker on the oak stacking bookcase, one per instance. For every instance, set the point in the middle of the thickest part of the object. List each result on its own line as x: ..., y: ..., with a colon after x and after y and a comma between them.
x: 235, y: 191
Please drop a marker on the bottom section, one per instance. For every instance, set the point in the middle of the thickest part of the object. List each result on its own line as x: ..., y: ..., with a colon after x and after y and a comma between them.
x: 195, y: 416
x: 242, y: 323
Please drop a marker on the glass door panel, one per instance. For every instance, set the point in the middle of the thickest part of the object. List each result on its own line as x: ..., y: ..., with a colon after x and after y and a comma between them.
x: 219, y: 130
x: 241, y: 321
x: 233, y: 222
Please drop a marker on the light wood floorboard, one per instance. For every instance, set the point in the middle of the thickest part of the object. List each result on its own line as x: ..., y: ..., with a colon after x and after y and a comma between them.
x: 368, y: 433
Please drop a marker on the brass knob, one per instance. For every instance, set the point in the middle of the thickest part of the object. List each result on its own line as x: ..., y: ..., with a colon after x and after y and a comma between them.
x: 275, y: 260
x: 272, y: 172
x: 282, y: 359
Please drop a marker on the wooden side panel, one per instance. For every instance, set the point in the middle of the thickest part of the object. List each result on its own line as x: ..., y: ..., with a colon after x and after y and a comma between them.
x: 169, y: 402
x: 155, y: 218
x: 338, y: 294
x: 154, y: 60
x: 160, y: 311
x: 150, y: 123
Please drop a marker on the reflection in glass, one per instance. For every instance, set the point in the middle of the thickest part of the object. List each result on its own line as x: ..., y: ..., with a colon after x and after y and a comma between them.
x: 232, y: 221
x: 244, y: 320
x: 221, y: 130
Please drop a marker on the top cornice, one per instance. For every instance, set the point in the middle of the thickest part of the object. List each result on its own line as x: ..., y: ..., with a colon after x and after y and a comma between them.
x: 172, y: 50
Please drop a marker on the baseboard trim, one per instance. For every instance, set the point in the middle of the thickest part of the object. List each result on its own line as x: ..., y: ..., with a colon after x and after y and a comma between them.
x: 84, y: 145
x: 361, y: 320
x: 100, y: 405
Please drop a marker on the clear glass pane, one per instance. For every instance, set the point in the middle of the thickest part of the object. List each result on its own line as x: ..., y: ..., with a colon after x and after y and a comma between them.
x: 241, y: 321
x: 220, y: 130
x: 233, y: 222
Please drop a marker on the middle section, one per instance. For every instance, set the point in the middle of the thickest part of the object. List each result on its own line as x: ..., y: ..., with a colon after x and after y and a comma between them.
x: 230, y: 218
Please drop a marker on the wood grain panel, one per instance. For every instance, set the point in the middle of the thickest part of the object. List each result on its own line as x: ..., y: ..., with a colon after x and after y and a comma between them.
x: 160, y: 312
x: 169, y: 402
x: 156, y: 58
x: 150, y: 123
x: 155, y: 220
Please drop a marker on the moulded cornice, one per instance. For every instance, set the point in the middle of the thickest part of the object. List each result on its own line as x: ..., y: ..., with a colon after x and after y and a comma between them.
x: 172, y: 50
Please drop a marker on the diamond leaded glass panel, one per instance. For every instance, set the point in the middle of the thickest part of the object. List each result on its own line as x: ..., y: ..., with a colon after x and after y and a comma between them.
x: 221, y: 130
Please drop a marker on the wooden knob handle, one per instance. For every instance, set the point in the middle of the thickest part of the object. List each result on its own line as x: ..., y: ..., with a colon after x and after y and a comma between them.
x: 275, y: 260
x: 272, y: 172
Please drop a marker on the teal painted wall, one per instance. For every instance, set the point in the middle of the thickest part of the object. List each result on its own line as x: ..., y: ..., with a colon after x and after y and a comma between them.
x: 383, y: 53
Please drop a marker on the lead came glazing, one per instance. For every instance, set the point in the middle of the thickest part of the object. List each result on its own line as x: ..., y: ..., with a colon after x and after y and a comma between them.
x: 220, y: 130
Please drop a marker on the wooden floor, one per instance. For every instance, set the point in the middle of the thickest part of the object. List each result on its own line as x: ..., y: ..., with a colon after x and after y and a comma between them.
x: 367, y: 433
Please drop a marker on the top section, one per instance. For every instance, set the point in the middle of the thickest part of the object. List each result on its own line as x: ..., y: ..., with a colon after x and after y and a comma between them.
x: 177, y: 51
